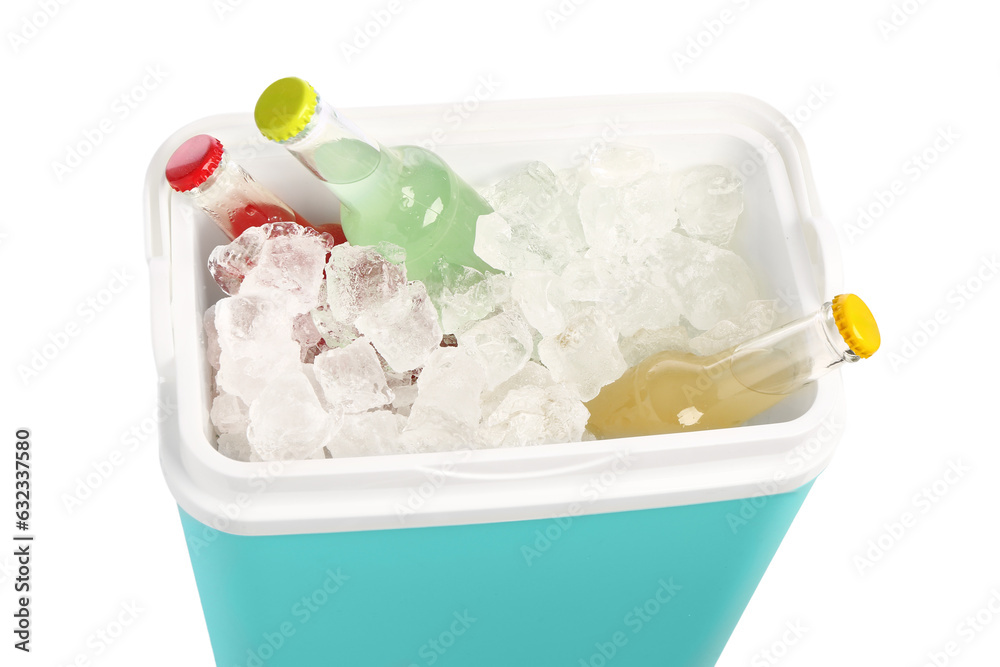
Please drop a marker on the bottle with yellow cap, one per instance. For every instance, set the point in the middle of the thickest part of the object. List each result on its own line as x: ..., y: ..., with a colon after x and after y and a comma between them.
x: 672, y: 392
x: 405, y: 195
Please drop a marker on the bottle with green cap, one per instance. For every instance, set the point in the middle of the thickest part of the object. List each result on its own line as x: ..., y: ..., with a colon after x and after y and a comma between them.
x: 405, y: 195
x: 673, y: 392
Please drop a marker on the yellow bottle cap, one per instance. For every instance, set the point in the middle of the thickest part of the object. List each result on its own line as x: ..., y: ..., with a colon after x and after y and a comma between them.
x: 285, y: 108
x: 856, y: 324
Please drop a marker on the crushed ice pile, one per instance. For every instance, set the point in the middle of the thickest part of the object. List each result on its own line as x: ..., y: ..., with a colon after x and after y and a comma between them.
x: 324, y: 351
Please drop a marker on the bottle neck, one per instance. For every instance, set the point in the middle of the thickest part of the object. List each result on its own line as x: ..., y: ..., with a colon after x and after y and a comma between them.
x: 227, y: 177
x: 334, y: 149
x: 781, y: 361
x: 235, y: 201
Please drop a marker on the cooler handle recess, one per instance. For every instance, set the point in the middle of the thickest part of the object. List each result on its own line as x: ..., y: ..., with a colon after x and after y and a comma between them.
x: 157, y: 213
x: 824, y: 255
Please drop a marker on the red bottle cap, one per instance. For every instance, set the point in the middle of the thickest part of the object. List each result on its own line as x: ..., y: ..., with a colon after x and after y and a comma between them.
x: 193, y: 162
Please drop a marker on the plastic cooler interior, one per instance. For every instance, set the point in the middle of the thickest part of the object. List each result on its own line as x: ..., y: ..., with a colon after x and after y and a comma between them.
x: 561, y: 553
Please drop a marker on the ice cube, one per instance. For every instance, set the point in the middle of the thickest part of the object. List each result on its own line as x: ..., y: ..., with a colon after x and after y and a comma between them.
x: 309, y: 370
x: 368, y: 434
x: 360, y: 280
x: 497, y: 290
x: 502, y: 344
x: 568, y: 224
x: 255, y: 342
x: 605, y: 233
x: 495, y: 244
x: 645, y: 343
x: 212, y: 350
x: 646, y: 206
x: 445, y: 414
x: 647, y: 306
x: 230, y: 264
x: 595, y: 280
x: 229, y: 414
x: 464, y: 295
x: 711, y: 283
x: 529, y: 197
x: 507, y: 248
x: 333, y: 332
x: 352, y: 377
x: 287, y: 421
x: 533, y: 374
x: 289, y: 268
x: 585, y: 356
x: 755, y: 320
x: 236, y: 446
x: 536, y: 416
x: 517, y: 421
x: 404, y: 390
x: 632, y: 298
x: 433, y: 430
x: 709, y: 202
x: 405, y: 329
x: 540, y: 296
x: 615, y: 165
x: 451, y: 383
x: 308, y: 337
x: 391, y: 253
x: 530, y: 230
x: 573, y: 179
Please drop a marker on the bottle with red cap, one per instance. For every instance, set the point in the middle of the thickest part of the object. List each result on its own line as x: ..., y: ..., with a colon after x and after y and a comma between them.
x: 202, y: 170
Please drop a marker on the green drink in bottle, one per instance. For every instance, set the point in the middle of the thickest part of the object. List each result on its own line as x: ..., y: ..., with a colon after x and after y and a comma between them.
x: 405, y: 195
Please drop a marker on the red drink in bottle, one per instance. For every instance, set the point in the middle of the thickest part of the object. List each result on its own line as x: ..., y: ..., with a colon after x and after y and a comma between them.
x: 201, y: 169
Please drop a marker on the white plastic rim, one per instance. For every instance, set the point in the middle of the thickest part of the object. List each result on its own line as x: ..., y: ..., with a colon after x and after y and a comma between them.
x: 781, y: 234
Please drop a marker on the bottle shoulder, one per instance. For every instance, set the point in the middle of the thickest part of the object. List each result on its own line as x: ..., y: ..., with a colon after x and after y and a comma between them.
x: 424, y: 182
x: 417, y: 165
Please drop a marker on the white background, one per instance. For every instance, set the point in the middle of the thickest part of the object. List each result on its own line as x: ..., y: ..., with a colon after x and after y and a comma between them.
x: 887, y: 93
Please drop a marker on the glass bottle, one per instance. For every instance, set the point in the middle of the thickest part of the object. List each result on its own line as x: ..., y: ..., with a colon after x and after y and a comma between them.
x: 673, y: 392
x: 405, y: 195
x: 202, y: 170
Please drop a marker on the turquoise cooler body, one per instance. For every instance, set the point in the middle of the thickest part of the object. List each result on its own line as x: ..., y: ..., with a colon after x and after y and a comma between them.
x: 634, y: 552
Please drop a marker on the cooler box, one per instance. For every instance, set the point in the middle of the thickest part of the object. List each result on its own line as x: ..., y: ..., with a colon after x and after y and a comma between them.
x: 635, y: 552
